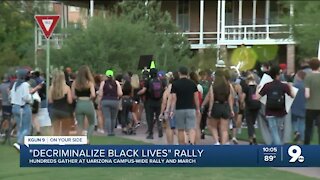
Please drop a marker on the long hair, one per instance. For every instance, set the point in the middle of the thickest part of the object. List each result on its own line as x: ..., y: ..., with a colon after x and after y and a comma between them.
x: 221, y: 86
x: 194, y: 77
x: 84, y: 78
x: 58, y: 82
x: 135, y: 81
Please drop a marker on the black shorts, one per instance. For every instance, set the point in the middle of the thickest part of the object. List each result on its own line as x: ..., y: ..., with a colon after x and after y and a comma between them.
x: 6, y: 111
x: 220, y: 111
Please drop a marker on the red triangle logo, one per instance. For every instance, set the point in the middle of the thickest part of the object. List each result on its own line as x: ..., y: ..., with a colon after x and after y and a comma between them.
x: 47, y: 23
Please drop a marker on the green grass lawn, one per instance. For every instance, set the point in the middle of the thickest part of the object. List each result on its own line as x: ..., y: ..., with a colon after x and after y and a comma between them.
x: 10, y: 170
x: 244, y: 136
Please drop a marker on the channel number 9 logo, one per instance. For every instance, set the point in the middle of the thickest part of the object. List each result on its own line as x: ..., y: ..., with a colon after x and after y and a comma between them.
x: 296, y: 154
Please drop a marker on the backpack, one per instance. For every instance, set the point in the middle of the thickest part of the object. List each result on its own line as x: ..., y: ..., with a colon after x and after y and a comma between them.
x: 155, y: 89
x: 205, y: 86
x: 110, y: 89
x: 252, y: 102
x: 276, y: 97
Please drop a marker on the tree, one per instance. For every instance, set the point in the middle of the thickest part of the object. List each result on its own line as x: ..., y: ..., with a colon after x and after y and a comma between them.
x: 174, y: 46
x: 305, y: 25
x: 106, y: 43
x: 131, y: 29
x: 16, y: 34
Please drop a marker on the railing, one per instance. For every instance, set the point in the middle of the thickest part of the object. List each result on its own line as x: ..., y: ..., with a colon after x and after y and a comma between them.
x: 258, y: 32
x: 208, y: 37
x: 234, y: 33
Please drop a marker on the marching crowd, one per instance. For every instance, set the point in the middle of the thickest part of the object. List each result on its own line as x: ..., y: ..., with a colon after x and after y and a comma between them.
x: 180, y: 103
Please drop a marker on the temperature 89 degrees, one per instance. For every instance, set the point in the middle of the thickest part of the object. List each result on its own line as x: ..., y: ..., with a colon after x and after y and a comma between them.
x: 295, y: 153
x: 269, y: 158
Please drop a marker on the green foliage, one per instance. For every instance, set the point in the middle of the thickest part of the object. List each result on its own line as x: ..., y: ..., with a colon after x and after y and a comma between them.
x: 16, y: 34
x: 131, y: 29
x: 306, y: 25
x: 204, y: 60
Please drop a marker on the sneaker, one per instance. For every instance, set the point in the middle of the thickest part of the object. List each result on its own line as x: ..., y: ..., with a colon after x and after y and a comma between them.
x: 101, y: 131
x: 16, y: 146
x: 235, y: 141
x: 150, y: 136
x: 137, y: 125
x: 254, y: 141
x: 217, y: 143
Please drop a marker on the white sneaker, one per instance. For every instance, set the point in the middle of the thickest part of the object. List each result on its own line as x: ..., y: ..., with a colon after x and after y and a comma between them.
x: 101, y: 131
x: 16, y: 146
x: 234, y: 140
x: 217, y: 143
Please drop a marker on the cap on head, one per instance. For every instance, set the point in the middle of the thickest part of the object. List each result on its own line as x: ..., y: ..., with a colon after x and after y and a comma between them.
x: 22, y: 73
x: 283, y: 66
x: 109, y: 73
x: 220, y: 64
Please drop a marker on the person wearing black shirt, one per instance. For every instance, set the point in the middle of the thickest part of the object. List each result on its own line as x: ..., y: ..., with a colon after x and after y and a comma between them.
x: 185, y: 105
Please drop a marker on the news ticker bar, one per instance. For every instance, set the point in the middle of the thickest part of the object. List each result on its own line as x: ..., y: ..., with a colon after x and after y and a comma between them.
x: 169, y: 156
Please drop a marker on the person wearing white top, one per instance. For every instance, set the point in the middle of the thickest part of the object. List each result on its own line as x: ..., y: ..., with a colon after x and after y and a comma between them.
x: 21, y: 109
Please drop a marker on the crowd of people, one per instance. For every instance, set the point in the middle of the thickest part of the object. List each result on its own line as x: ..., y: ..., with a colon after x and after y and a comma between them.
x: 180, y: 103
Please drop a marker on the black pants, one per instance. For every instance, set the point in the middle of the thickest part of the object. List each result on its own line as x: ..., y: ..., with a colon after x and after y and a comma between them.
x: 312, y: 117
x: 154, y: 111
x: 251, y: 118
x: 126, y: 109
x: 204, y: 117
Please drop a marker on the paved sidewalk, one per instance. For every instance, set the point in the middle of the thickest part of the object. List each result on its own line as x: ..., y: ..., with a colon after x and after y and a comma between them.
x: 141, y: 136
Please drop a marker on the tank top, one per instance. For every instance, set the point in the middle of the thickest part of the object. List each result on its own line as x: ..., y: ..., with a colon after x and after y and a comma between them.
x: 221, y: 94
x: 83, y: 93
x: 110, y: 90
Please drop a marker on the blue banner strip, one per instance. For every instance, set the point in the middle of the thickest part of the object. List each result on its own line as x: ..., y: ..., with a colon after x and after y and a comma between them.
x: 169, y: 156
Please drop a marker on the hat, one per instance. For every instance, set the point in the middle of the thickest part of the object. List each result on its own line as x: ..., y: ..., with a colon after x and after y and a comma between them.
x: 220, y: 64
x: 161, y: 74
x: 21, y: 73
x: 283, y: 66
x: 109, y: 73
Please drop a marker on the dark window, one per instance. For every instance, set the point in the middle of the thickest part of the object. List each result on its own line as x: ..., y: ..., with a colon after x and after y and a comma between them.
x: 183, y: 15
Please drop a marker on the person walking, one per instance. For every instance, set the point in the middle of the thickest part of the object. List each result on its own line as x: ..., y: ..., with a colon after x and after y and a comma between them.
x: 154, y: 89
x: 21, y: 109
x: 312, y: 84
x: 109, y: 93
x: 220, y: 108
x: 298, y: 108
x: 83, y: 92
x: 252, y: 107
x: 275, y: 104
x: 185, y: 106
x: 166, y: 107
x: 60, y: 98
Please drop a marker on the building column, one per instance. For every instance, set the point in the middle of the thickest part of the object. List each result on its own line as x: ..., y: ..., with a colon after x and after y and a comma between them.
x: 91, y: 8
x: 201, y: 21
x: 65, y: 15
x: 290, y: 58
x: 267, y: 16
x: 291, y: 19
x: 254, y: 13
x: 218, y: 29
x: 240, y: 13
x: 223, y: 19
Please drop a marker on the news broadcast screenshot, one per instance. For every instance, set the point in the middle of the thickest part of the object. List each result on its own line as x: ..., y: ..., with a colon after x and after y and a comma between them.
x: 152, y: 89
